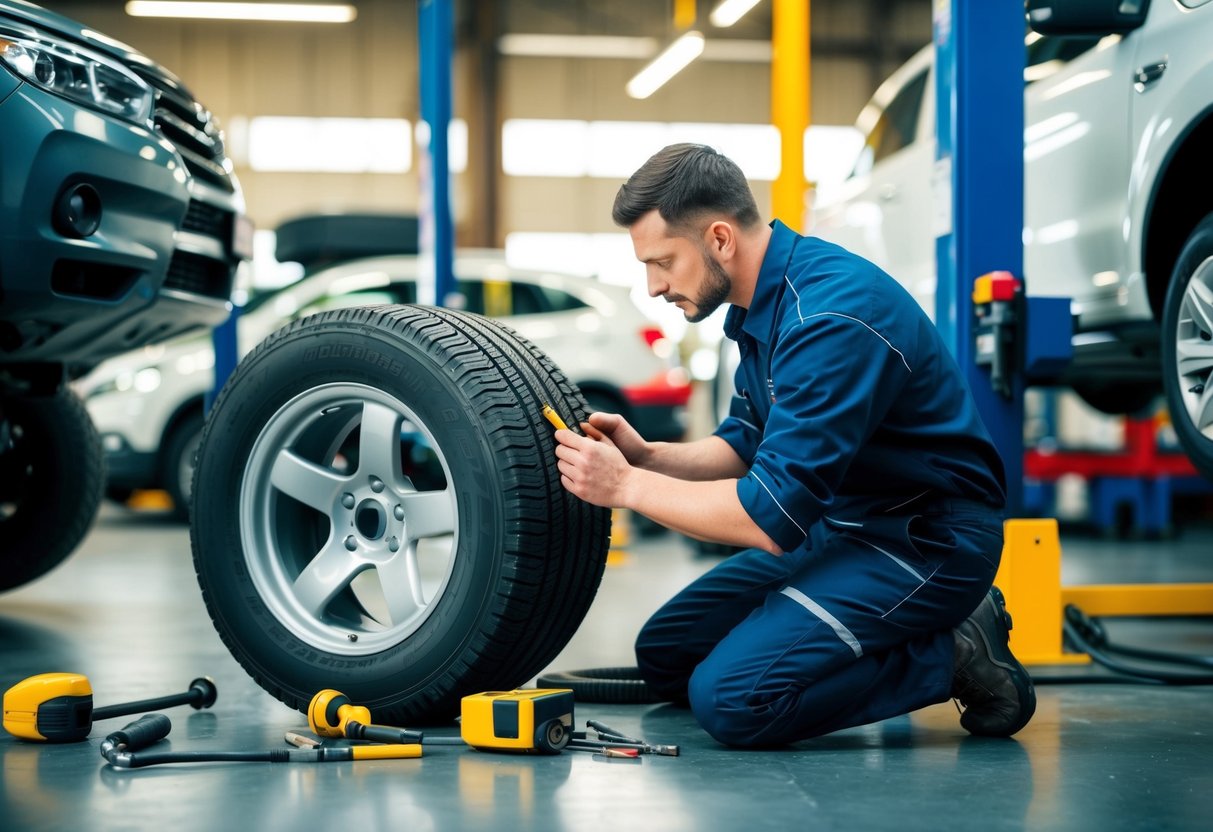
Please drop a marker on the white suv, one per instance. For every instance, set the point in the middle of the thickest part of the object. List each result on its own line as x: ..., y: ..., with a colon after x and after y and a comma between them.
x: 1118, y: 203
x: 148, y: 404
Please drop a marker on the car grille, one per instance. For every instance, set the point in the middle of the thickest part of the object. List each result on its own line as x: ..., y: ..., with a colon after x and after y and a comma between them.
x: 188, y: 272
x: 209, y: 220
x: 191, y: 129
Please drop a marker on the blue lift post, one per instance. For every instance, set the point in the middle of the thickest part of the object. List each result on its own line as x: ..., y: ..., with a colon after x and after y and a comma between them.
x: 978, y: 183
x: 436, y: 36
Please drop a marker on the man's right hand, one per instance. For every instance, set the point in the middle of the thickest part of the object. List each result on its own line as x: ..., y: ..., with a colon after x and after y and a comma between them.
x: 626, y: 438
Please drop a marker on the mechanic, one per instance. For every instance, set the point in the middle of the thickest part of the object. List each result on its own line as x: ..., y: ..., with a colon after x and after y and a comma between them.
x: 853, y: 467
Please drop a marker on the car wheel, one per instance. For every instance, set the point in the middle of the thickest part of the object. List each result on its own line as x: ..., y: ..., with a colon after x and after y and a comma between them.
x: 1187, y: 347
x: 377, y: 509
x: 177, y: 464
x: 52, y: 476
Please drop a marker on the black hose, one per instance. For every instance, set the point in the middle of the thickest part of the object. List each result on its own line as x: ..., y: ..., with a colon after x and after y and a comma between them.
x: 1093, y: 632
x: 1087, y: 635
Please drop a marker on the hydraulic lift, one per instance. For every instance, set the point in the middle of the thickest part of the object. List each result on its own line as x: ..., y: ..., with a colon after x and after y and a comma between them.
x: 995, y: 331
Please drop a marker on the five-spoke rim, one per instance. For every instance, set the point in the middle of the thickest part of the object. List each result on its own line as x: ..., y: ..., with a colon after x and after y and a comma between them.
x: 348, y: 518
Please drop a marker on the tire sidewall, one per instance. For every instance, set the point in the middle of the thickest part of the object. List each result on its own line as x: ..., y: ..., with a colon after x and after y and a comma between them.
x: 404, y: 369
x: 1198, y: 247
x: 63, y: 490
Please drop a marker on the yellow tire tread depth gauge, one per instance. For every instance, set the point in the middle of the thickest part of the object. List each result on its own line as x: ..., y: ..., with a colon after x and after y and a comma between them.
x: 552, y: 416
x: 538, y: 720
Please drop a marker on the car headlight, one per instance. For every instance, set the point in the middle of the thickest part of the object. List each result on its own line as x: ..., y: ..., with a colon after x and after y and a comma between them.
x: 80, y: 75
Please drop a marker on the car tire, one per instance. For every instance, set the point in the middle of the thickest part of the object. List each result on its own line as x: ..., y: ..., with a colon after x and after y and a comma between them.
x: 495, y: 563
x: 1187, y: 347
x: 52, y: 477
x: 177, y: 464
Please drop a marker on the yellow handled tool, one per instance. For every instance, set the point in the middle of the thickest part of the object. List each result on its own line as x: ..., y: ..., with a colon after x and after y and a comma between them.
x: 552, y: 416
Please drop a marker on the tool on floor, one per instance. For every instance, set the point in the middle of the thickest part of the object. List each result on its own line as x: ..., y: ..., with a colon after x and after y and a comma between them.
x: 518, y: 720
x: 608, y: 737
x: 58, y: 707
x: 331, y: 714
x: 123, y: 749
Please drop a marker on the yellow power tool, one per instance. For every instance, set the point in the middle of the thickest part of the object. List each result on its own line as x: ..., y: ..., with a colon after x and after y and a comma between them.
x: 518, y: 720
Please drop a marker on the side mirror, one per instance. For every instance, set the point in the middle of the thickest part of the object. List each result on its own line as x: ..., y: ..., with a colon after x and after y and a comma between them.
x: 1086, y: 17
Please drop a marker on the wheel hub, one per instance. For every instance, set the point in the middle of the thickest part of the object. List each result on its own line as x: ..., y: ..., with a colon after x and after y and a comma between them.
x: 344, y: 548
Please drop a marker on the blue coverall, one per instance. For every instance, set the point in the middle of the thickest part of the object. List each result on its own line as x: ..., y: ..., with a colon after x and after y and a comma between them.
x: 870, y: 467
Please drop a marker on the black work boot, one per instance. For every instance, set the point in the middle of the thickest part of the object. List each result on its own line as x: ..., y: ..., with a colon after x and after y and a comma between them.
x: 994, y: 688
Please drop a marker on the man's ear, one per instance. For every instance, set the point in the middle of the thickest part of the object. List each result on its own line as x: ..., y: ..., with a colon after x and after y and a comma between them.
x: 721, y: 238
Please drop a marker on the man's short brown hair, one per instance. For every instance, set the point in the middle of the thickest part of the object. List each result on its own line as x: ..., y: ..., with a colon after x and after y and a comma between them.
x: 684, y: 182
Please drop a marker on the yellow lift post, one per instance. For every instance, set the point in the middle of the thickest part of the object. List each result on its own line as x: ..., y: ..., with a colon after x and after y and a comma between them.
x: 790, y: 106
x: 1030, y: 577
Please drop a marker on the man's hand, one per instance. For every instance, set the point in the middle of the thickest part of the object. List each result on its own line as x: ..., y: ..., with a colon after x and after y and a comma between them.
x: 623, y: 436
x: 593, y: 469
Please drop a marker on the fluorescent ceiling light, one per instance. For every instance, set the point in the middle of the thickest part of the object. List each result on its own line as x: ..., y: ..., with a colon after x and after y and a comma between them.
x: 576, y: 46
x: 525, y: 45
x: 730, y: 11
x: 282, y: 12
x: 666, y: 65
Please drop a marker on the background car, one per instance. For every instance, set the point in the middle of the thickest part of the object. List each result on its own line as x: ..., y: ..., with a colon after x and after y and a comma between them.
x: 120, y: 225
x: 1117, y: 132
x: 149, y: 404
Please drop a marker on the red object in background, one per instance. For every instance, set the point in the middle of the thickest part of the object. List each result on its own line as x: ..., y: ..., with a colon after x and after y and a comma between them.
x: 1140, y: 458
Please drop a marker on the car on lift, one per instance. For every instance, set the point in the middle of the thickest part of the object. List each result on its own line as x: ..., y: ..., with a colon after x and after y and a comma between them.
x: 149, y: 404
x: 1119, y: 119
x: 121, y: 225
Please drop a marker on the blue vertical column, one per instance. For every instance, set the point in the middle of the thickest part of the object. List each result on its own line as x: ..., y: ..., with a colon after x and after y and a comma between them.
x: 978, y: 190
x: 436, y: 36
x: 224, y: 338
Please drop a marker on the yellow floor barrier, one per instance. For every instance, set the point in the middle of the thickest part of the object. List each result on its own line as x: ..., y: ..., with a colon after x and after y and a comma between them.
x: 1030, y: 578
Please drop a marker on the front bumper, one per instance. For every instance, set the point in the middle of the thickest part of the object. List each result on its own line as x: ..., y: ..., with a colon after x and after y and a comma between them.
x: 80, y: 300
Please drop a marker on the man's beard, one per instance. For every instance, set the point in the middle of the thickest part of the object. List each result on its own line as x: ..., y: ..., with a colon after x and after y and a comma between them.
x: 716, y: 288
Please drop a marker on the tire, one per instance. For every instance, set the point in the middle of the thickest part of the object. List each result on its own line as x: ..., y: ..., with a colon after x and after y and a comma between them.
x: 1187, y: 347
x: 52, y: 476
x: 603, y: 685
x: 479, y: 565
x: 1119, y: 399
x: 177, y: 464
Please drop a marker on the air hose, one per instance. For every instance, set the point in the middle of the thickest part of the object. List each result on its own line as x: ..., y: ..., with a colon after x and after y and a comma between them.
x: 1088, y: 635
x: 122, y: 749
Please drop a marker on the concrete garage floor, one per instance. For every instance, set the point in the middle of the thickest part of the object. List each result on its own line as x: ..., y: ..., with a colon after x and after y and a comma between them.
x: 126, y: 612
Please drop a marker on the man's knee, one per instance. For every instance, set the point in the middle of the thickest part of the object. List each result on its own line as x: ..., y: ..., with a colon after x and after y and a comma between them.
x: 723, y: 711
